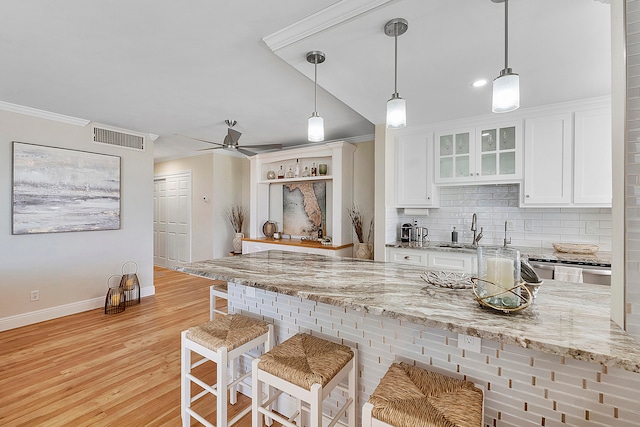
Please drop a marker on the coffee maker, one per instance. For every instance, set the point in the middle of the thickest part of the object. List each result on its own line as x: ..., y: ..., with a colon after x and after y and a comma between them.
x: 405, y: 233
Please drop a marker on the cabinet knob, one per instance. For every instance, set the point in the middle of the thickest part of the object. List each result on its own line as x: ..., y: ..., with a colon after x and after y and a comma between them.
x: 471, y: 174
x: 407, y: 257
x: 428, y: 198
x: 527, y: 196
x: 477, y: 173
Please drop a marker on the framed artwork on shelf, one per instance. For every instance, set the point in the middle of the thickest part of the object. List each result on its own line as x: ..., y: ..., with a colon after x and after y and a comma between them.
x: 56, y: 190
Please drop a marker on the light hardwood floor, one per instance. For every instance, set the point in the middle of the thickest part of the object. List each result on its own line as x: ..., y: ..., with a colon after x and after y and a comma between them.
x: 93, y: 369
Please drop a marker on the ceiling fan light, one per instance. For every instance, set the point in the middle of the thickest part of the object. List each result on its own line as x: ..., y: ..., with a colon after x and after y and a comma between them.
x: 315, y: 128
x: 506, y: 92
x: 396, y: 112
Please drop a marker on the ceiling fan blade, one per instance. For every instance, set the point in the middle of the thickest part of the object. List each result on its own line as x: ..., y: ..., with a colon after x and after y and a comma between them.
x: 211, y: 148
x: 265, y: 146
x: 246, y: 152
x: 234, y: 136
x: 198, y: 139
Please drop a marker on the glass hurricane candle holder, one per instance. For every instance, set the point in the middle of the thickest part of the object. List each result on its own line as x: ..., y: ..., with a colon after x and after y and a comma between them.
x: 499, y: 276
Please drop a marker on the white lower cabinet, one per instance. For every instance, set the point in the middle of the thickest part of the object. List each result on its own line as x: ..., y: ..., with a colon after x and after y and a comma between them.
x: 434, y: 259
x: 407, y: 256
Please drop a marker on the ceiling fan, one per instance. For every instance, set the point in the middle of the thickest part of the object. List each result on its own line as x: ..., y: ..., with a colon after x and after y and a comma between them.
x: 230, y: 141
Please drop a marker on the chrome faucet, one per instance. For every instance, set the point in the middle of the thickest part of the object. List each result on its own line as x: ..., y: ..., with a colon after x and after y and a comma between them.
x: 506, y: 241
x: 474, y: 228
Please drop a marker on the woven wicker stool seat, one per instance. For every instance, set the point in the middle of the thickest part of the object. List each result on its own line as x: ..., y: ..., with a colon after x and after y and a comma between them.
x: 408, y: 396
x: 220, y: 341
x: 307, y: 368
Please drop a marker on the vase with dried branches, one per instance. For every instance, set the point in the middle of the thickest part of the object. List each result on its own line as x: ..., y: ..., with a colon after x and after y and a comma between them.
x: 363, y: 249
x: 236, y: 215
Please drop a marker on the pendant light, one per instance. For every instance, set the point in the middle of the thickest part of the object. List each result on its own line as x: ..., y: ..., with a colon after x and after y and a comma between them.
x: 396, y: 106
x: 315, y: 129
x: 506, y: 87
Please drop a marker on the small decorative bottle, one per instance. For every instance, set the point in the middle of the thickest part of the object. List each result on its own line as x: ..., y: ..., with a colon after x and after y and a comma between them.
x: 314, y: 170
x: 290, y: 173
x: 280, y: 173
x: 296, y: 172
x: 305, y: 172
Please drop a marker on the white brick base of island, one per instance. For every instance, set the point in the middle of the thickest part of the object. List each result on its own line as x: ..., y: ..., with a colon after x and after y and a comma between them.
x: 522, y: 387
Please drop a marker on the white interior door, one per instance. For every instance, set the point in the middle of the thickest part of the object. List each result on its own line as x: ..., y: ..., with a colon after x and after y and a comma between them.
x: 172, y: 220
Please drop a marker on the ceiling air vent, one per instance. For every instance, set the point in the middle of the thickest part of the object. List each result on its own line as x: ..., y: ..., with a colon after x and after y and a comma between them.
x: 103, y: 135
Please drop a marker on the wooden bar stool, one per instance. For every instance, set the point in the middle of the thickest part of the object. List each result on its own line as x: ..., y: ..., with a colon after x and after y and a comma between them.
x: 309, y: 369
x: 218, y: 290
x: 221, y: 341
x: 408, y: 396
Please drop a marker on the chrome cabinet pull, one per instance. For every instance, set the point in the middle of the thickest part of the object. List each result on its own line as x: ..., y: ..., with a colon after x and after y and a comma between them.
x: 407, y: 257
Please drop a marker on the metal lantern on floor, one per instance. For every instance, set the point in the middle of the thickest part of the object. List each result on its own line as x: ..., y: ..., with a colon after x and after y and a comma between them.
x: 115, y: 301
x: 130, y: 283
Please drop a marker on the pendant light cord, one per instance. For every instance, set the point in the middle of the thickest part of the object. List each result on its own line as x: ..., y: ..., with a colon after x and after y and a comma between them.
x: 506, y: 34
x: 315, y: 87
x: 395, y: 72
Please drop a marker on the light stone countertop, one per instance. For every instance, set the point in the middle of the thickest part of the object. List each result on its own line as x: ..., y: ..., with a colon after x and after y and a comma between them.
x: 571, y: 320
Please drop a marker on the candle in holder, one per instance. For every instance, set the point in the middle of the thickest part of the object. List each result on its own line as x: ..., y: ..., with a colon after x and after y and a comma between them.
x: 115, y: 299
x: 499, y: 273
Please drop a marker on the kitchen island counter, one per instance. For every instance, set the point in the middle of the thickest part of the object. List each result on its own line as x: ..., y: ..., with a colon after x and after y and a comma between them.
x: 569, y: 320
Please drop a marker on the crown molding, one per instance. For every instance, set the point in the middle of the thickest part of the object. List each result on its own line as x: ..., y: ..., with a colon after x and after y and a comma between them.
x: 21, y: 109
x: 329, y: 17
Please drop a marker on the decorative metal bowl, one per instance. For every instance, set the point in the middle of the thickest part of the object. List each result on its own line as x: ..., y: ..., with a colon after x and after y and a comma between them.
x: 525, y: 298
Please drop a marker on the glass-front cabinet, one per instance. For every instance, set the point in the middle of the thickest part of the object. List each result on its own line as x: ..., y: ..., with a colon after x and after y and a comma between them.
x: 482, y: 153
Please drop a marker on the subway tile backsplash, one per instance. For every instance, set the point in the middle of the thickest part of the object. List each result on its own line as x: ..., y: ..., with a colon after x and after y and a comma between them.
x: 495, y: 204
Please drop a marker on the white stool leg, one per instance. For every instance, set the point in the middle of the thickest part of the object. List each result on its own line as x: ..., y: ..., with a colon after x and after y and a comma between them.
x: 212, y: 304
x: 221, y: 387
x: 353, y: 393
x: 256, y: 398
x: 185, y: 383
x: 233, y: 391
x: 316, y: 406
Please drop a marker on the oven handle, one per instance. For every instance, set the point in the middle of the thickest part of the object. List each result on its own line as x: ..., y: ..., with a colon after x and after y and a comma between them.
x: 603, y: 272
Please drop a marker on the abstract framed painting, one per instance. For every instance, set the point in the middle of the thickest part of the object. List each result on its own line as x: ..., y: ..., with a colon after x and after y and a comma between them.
x: 58, y: 190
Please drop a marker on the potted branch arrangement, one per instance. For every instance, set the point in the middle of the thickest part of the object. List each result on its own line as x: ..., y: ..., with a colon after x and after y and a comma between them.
x: 363, y: 249
x: 236, y: 216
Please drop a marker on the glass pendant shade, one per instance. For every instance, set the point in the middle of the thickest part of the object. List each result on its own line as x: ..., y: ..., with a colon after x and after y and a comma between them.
x: 506, y: 92
x: 316, y: 128
x: 396, y: 112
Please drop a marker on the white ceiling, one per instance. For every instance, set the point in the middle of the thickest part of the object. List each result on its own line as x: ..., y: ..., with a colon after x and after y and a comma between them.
x: 167, y: 67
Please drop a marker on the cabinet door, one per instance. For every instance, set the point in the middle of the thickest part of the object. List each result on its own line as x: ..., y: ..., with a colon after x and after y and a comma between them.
x: 547, y: 161
x: 455, y: 156
x: 500, y: 153
x: 414, y: 172
x: 592, y: 168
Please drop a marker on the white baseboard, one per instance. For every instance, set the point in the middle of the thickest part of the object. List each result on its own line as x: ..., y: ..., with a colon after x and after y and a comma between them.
x: 38, y: 316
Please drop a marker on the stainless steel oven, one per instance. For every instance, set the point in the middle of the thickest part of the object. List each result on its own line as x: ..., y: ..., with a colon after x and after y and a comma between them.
x: 594, y: 274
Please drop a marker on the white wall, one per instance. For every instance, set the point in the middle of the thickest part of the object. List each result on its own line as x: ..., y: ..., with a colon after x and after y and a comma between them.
x: 201, y: 168
x: 225, y: 180
x: 363, y: 183
x: 71, y: 269
x: 230, y: 186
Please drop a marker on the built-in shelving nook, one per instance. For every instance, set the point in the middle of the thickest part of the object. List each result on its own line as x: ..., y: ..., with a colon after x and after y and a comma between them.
x: 266, y: 200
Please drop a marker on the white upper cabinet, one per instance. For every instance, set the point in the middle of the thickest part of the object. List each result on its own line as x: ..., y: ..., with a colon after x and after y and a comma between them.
x: 592, y: 170
x: 480, y: 154
x: 547, y: 160
x: 567, y: 160
x: 414, y: 172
